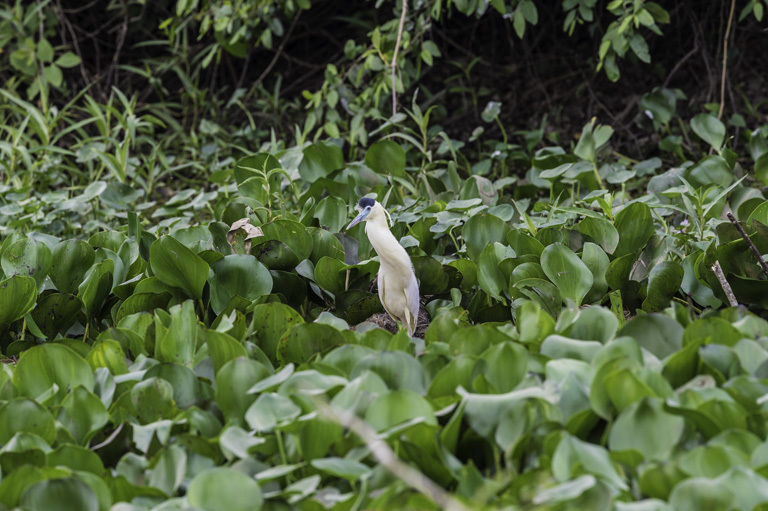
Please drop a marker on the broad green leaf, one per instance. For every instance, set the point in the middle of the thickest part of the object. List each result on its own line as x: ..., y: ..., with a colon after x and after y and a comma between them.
x: 271, y: 322
x: 76, y: 458
x: 507, y: 364
x: 238, y: 275
x: 663, y: 283
x: 17, y: 297
x: 341, y: 467
x: 594, y: 324
x: 489, y: 276
x: 169, y: 470
x: 233, y: 381
x: 601, y: 231
x: 236, y: 442
x: 638, y: 427
x: 564, y: 268
x: 398, y: 406
x: 178, y: 266
x: 386, y: 157
x: 398, y: 370
x: 480, y: 231
x: 710, y: 129
x: 320, y: 160
x: 330, y: 274
x: 82, y: 414
x: 153, y: 399
x: 291, y: 233
x: 42, y: 367
x: 27, y: 258
x: 223, y: 348
x: 224, y: 489
x: 635, y: 226
x: 186, y: 387
x: 574, y: 455
x: 67, y: 494
x: 324, y: 244
x: 109, y: 354
x: 307, y: 340
x: 176, y: 340
x: 24, y: 414
x: 699, y: 493
x: 331, y: 213
x: 271, y: 411
x: 432, y: 277
x: 710, y: 171
x: 70, y: 261
x: 55, y: 313
x: 96, y: 286
x: 659, y: 334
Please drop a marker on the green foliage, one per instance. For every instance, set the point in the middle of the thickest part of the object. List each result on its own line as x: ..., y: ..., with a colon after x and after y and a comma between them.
x: 577, y: 356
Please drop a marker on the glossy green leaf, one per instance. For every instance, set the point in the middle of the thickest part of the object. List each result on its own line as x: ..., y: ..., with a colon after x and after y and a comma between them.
x: 480, y: 231
x: 564, y: 268
x: 601, y: 231
x: 23, y: 414
x: 635, y: 226
x: 66, y: 494
x: 17, y: 297
x: 233, y: 381
x: 307, y: 340
x: 638, y: 427
x: 176, y: 340
x: 42, y: 367
x: 398, y: 406
x: 224, y: 489
x: 663, y: 283
x: 331, y: 213
x: 70, y: 260
x: 27, y: 258
x: 320, y: 160
x: 178, y: 266
x: 386, y: 157
x: 659, y: 334
x: 710, y: 129
x: 83, y: 414
x: 272, y: 321
x: 153, y: 399
x: 271, y: 411
x: 238, y: 275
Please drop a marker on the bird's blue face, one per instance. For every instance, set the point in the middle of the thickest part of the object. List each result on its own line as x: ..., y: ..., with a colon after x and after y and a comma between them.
x: 364, y: 206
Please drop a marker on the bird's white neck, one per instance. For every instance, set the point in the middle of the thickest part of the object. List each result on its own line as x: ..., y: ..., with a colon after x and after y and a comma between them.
x: 385, y: 244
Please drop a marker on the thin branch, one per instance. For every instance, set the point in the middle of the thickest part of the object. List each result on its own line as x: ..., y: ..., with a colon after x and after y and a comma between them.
x: 387, y: 457
x: 394, y: 57
x: 725, y: 59
x: 724, y: 284
x: 749, y: 243
x: 275, y: 58
x: 109, y: 439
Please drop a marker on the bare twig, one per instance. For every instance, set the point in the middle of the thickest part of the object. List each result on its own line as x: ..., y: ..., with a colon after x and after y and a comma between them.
x: 724, y: 284
x: 275, y: 58
x: 749, y: 243
x: 387, y: 457
x: 109, y: 439
x: 725, y: 60
x: 394, y: 57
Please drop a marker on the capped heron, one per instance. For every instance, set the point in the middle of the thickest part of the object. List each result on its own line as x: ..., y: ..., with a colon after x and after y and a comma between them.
x: 398, y: 289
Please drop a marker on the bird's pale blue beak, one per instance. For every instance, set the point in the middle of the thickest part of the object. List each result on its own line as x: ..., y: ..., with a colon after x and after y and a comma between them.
x: 359, y: 218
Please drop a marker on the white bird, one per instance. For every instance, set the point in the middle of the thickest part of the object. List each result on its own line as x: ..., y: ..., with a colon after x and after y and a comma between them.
x: 398, y: 288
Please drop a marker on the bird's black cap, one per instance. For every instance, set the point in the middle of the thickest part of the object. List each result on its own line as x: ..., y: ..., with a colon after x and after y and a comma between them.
x: 366, y: 202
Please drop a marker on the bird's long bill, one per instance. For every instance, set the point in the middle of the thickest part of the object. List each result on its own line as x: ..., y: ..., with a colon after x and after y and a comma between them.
x: 359, y: 218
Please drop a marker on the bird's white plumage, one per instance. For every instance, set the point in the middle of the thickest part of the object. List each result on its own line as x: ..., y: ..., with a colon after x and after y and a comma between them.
x: 398, y: 287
